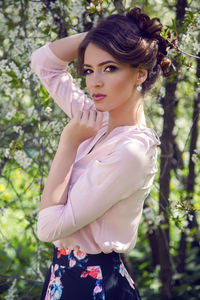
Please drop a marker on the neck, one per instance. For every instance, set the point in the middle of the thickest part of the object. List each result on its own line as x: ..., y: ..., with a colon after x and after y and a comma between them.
x: 127, y: 117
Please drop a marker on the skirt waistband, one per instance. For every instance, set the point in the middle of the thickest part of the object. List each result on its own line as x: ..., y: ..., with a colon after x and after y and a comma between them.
x: 68, y: 257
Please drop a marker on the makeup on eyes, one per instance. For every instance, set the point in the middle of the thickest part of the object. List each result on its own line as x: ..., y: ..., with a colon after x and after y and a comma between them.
x: 87, y: 71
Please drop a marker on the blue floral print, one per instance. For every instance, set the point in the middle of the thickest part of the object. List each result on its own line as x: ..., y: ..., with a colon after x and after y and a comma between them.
x: 55, y: 287
x: 123, y: 272
x: 79, y: 259
x: 77, y: 275
x: 95, y: 272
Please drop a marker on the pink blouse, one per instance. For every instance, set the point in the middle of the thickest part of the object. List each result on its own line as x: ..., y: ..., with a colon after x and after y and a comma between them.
x: 108, y: 186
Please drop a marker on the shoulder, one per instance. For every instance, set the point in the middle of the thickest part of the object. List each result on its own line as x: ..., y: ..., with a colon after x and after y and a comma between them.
x: 137, y: 146
x: 133, y: 139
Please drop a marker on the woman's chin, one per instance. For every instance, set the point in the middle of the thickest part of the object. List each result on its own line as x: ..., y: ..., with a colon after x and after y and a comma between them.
x: 100, y: 109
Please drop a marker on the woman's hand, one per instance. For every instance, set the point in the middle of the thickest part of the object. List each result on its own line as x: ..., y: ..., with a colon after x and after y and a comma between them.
x: 83, y: 126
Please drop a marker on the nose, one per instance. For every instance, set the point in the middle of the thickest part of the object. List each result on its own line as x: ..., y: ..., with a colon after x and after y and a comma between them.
x: 96, y: 80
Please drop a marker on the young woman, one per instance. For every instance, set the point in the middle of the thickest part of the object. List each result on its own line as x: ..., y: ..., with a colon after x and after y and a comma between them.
x: 106, y: 158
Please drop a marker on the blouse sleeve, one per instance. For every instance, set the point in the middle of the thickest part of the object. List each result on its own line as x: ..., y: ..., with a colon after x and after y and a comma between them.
x: 102, y: 185
x: 53, y: 74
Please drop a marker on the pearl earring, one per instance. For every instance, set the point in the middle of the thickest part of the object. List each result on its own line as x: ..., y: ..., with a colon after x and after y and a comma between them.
x: 139, y: 88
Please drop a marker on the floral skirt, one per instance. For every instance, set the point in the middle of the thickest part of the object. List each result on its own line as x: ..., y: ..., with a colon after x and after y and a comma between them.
x: 75, y: 275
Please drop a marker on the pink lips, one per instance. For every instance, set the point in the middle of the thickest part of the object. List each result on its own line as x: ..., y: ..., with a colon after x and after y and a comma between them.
x: 97, y: 97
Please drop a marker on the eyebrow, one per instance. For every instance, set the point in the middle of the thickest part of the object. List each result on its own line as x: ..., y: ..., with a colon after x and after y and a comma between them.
x: 102, y: 63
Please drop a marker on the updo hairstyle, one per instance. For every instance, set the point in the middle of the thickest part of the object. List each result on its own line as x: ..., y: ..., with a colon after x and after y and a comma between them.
x: 134, y: 39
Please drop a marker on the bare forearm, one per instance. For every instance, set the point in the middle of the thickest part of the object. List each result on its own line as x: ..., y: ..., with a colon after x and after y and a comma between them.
x: 82, y: 126
x: 57, y: 185
x: 67, y: 48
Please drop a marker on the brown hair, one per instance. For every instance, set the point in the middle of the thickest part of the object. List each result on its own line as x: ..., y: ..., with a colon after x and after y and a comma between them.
x: 133, y: 38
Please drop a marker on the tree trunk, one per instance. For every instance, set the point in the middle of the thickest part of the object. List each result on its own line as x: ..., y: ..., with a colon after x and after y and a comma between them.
x: 167, y: 152
x: 190, y: 183
x: 193, y: 224
x: 153, y: 242
x: 167, y: 141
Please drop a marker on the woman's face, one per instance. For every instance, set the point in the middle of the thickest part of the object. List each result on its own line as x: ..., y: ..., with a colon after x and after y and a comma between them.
x: 111, y: 84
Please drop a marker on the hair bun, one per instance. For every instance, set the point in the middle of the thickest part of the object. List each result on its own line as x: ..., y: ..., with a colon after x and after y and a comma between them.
x: 146, y: 25
x: 151, y: 29
x: 166, y: 66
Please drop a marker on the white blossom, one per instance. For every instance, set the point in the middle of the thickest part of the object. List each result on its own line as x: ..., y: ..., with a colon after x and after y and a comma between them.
x: 11, y: 114
x: 190, y: 217
x: 30, y: 111
x: 196, y: 46
x: 158, y: 219
x: 7, y: 152
x: 17, y: 128
x: 185, y: 223
x: 149, y: 213
x: 22, y: 159
x: 15, y: 69
x: 162, y: 92
x: 54, y: 145
x: 77, y: 82
x: 11, y: 292
x: 75, y: 8
x: 55, y: 126
x: 48, y: 110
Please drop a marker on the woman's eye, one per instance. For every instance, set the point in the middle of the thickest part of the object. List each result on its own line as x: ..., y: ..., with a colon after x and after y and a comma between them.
x: 110, y: 68
x: 107, y: 69
x: 87, y: 71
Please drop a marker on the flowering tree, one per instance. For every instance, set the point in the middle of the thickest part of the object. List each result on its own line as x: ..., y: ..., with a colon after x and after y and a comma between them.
x: 31, y: 123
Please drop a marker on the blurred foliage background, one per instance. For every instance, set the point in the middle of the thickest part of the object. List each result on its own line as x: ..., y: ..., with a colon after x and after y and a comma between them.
x: 166, y: 260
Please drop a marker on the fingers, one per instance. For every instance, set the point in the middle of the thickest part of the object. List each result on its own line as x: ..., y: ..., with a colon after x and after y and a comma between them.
x: 77, y: 117
x: 83, y: 125
x: 92, y: 118
x: 99, y: 118
x: 85, y: 117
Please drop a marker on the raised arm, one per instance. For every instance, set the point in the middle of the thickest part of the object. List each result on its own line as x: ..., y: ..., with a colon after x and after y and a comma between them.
x: 50, y: 64
x: 80, y: 128
x: 66, y: 49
